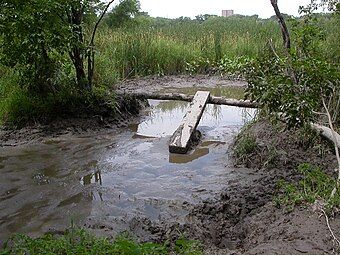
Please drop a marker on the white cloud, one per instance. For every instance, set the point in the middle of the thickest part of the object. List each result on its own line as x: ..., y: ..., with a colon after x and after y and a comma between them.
x: 191, y: 8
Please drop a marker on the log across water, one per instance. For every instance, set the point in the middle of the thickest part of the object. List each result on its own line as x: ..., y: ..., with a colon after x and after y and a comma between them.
x: 324, y: 131
x: 188, y: 98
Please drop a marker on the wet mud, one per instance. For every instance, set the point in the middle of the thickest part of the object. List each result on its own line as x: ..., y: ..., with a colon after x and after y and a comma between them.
x: 108, y: 179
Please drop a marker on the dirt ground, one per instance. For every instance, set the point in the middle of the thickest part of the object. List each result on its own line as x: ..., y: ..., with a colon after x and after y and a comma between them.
x: 155, y: 83
x: 242, y: 219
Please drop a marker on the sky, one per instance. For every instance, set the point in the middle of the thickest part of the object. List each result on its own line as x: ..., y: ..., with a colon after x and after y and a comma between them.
x: 191, y: 8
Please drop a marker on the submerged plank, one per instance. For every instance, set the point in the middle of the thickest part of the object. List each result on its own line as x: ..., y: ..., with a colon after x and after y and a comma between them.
x: 179, y: 142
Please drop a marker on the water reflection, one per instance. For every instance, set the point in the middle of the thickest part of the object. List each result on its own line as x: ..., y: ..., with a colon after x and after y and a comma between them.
x: 92, y: 178
x: 164, y: 117
x: 183, y: 159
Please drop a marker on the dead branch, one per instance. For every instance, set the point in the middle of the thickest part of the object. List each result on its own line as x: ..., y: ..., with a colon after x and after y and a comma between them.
x: 336, y: 146
x: 283, y: 26
x: 329, y: 227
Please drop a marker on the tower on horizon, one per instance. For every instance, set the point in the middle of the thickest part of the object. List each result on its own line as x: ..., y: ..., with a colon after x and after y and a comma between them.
x: 227, y: 13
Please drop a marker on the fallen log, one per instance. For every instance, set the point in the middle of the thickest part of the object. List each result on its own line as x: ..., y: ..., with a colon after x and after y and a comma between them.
x: 326, y: 132
x: 189, y: 98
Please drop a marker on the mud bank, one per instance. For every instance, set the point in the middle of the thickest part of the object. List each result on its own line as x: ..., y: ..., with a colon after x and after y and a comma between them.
x: 180, y: 83
x: 83, y: 124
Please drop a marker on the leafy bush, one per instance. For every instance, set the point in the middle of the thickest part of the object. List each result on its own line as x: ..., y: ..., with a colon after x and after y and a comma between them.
x: 293, y: 83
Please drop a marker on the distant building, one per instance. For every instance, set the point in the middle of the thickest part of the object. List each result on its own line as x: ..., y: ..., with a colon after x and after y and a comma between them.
x: 227, y: 13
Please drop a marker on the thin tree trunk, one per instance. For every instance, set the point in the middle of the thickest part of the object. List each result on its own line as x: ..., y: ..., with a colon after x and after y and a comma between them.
x: 91, y: 55
x: 77, y: 54
x: 286, y: 41
x: 283, y: 26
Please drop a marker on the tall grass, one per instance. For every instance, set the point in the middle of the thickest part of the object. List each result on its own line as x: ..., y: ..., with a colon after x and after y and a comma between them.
x: 153, y: 48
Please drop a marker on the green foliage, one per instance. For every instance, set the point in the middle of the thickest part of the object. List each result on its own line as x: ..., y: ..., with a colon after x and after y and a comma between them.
x: 315, y: 185
x: 123, y: 13
x: 273, y: 88
x: 293, y: 83
x: 77, y: 241
x: 19, y: 105
x: 31, y: 36
x: 188, y: 247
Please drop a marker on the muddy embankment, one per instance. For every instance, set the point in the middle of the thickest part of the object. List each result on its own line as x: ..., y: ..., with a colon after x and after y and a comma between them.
x: 113, y: 175
x: 243, y: 218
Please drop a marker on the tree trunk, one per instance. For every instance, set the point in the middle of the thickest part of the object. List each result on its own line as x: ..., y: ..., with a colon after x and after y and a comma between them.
x: 77, y: 54
x: 283, y: 26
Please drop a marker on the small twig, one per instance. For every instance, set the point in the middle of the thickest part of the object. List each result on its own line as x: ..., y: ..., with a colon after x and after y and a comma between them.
x: 336, y: 146
x: 319, y: 113
x: 273, y: 49
x: 329, y: 227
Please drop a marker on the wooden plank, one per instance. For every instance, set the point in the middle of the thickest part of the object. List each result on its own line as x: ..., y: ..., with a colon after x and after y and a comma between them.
x: 179, y: 142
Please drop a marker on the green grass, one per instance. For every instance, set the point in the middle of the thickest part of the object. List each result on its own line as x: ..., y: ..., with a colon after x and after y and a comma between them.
x: 315, y: 185
x: 246, y: 145
x: 77, y: 241
x: 18, y: 106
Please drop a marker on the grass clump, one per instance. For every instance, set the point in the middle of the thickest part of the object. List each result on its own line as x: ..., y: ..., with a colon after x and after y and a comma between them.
x: 315, y: 185
x: 246, y: 146
x: 79, y: 241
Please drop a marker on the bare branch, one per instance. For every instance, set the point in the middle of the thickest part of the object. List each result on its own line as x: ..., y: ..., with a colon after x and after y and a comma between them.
x: 98, y: 22
x: 90, y: 59
x: 329, y: 227
x: 336, y: 146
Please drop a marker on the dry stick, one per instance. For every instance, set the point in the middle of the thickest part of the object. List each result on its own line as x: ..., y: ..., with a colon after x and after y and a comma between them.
x: 329, y: 226
x: 336, y: 146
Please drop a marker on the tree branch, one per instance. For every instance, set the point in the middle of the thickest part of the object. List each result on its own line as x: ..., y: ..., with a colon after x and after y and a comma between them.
x: 90, y: 60
x: 98, y: 22
x: 336, y: 146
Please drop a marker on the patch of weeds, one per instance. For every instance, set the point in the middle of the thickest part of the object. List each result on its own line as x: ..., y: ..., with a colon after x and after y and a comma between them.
x: 246, y: 145
x: 315, y: 185
x: 272, y: 158
x: 188, y: 247
x: 78, y: 241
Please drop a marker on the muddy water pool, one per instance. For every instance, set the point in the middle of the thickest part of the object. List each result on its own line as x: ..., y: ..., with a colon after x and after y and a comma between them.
x: 115, y: 176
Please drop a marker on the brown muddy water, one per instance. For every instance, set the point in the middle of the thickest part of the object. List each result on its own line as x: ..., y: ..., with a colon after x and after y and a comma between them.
x: 112, y: 177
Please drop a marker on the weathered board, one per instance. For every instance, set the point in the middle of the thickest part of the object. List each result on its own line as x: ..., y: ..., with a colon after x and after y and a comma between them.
x: 179, y: 142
